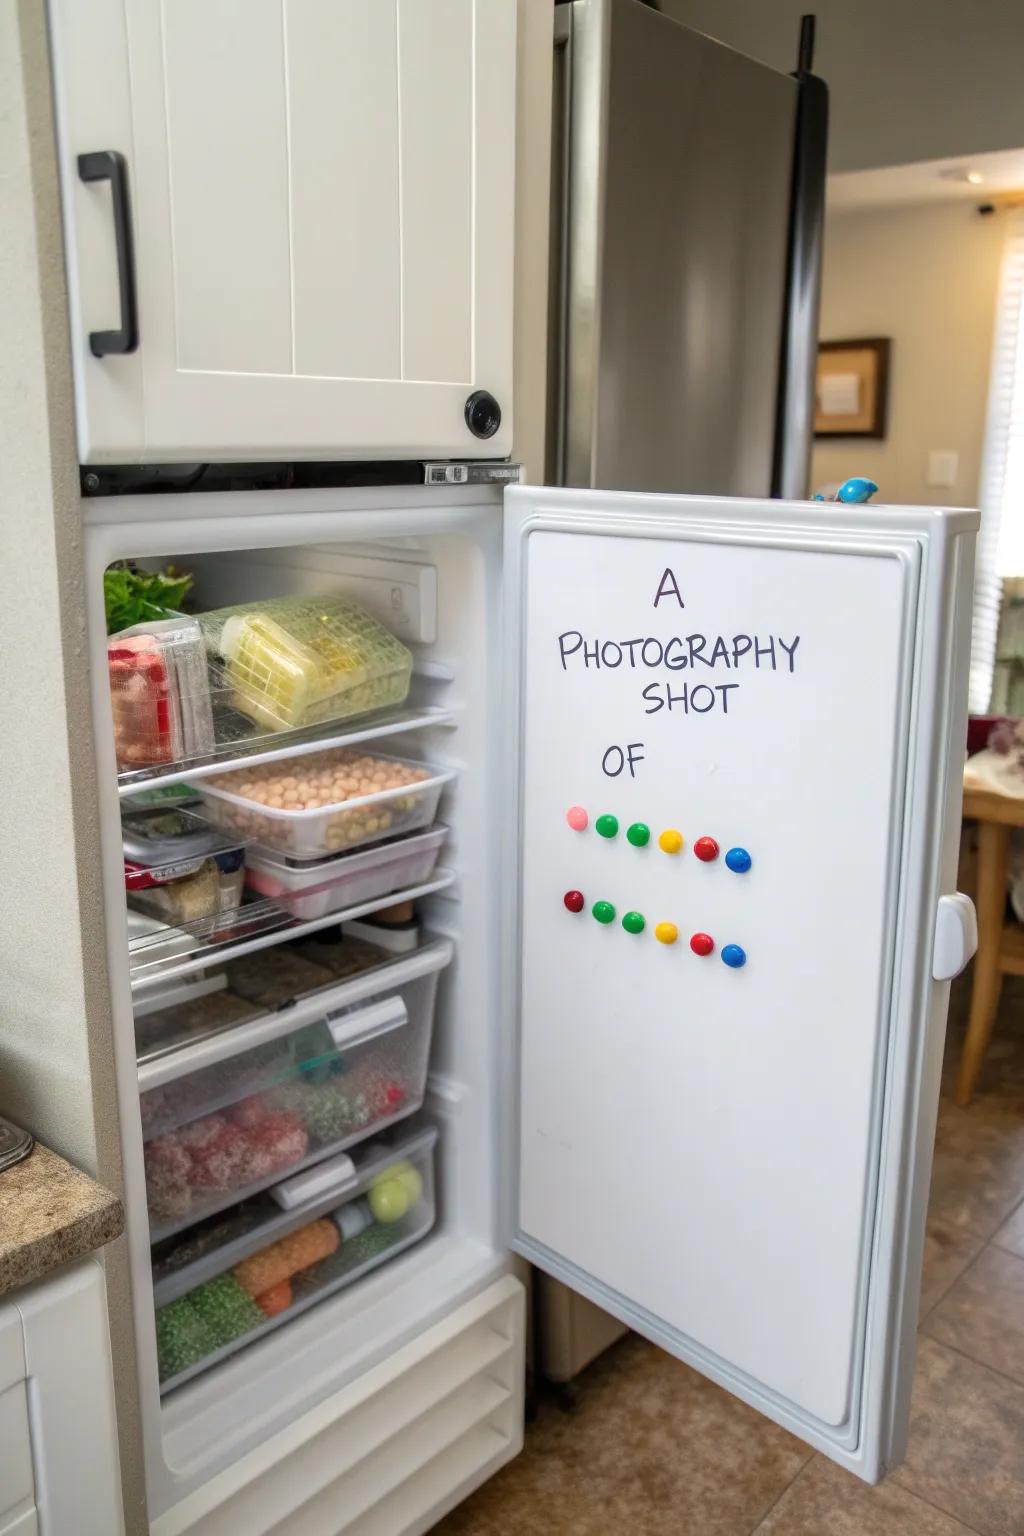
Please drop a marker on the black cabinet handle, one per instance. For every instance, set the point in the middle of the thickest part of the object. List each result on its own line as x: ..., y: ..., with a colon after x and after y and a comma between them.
x: 108, y: 165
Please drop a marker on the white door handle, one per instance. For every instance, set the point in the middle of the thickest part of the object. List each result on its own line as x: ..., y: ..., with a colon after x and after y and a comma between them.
x: 956, y: 935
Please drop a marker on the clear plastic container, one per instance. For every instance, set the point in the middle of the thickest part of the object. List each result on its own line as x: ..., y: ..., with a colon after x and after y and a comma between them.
x: 310, y: 887
x: 283, y: 1092
x: 159, y: 693
x: 296, y: 661
x: 333, y: 810
x: 268, y: 1266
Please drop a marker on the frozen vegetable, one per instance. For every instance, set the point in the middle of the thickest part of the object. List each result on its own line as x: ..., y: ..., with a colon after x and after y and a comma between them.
x: 215, y: 1155
x: 300, y: 660
x: 277, y: 1299
x: 285, y: 1258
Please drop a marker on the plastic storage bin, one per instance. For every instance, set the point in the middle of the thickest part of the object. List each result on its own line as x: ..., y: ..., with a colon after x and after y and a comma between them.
x: 310, y: 887
x: 297, y: 661
x: 159, y: 693
x: 337, y: 805
x: 230, y: 1115
x: 277, y: 1264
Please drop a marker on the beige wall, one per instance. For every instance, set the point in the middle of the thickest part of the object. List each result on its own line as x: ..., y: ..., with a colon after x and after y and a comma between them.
x: 927, y: 277
x: 56, y: 1053
x: 908, y: 79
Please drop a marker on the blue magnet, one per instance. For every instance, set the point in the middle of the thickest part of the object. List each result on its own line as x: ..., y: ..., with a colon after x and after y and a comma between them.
x: 734, y: 956
x: 738, y: 860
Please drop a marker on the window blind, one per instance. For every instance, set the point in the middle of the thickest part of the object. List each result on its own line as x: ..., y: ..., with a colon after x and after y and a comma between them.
x: 1000, y: 549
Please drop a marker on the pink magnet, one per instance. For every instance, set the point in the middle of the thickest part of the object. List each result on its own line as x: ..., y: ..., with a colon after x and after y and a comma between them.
x: 577, y: 818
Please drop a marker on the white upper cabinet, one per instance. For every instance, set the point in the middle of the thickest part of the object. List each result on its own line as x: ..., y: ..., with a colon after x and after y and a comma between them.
x: 320, y: 196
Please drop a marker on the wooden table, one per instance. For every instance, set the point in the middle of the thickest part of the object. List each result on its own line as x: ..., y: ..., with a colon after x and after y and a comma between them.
x: 1000, y: 944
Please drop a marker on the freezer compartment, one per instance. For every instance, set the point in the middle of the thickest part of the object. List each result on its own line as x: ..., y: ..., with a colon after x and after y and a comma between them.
x: 286, y: 1091
x: 384, y: 1203
x: 327, y: 802
x: 310, y: 887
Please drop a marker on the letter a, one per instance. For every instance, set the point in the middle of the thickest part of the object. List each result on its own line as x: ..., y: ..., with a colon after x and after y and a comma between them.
x: 668, y: 585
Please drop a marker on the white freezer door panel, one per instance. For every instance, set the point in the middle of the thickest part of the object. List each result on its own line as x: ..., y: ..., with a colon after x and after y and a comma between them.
x: 702, y: 1146
x: 322, y: 198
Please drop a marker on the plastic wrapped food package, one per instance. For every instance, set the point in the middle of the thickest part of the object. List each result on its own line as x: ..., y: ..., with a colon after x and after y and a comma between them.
x: 296, y: 661
x: 159, y: 693
x: 325, y: 802
x: 182, y: 1023
x: 185, y: 900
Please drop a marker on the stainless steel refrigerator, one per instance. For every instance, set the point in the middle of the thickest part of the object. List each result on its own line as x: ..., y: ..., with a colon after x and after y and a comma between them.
x: 689, y: 187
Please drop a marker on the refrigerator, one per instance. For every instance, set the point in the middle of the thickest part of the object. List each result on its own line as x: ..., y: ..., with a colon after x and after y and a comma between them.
x: 666, y: 1020
x: 687, y: 205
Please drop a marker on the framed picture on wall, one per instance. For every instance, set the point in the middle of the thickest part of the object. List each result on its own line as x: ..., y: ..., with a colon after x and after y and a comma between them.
x: 852, y: 387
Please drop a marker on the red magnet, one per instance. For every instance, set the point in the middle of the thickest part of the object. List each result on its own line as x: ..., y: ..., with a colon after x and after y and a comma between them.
x: 702, y: 943
x: 706, y: 849
x: 574, y: 900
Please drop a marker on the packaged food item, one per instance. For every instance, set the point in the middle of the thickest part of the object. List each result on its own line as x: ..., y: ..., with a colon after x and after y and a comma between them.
x: 180, y: 901
x: 230, y: 878
x: 163, y: 1029
x: 325, y: 802
x: 160, y: 693
x: 342, y: 956
x: 274, y: 977
x: 309, y: 888
x: 296, y: 661
x: 285, y: 1258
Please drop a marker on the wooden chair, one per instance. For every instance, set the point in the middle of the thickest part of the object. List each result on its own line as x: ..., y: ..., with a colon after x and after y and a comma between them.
x: 1000, y: 944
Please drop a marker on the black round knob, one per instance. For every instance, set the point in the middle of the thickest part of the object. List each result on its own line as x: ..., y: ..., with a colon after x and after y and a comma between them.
x: 483, y: 413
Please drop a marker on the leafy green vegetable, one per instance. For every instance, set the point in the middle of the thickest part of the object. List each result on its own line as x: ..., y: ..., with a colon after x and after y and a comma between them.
x: 132, y: 596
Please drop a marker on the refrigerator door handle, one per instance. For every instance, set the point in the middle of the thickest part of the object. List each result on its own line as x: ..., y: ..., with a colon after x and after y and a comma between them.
x: 108, y: 165
x: 956, y: 935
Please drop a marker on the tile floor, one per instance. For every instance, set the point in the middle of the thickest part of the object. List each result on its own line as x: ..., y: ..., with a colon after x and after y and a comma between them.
x: 652, y: 1449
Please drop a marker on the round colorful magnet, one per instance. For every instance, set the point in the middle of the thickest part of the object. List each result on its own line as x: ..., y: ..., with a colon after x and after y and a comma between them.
x: 738, y: 860
x: 577, y: 818
x: 671, y: 841
x: 734, y: 956
x: 706, y: 849
x: 639, y: 834
x: 607, y: 825
x: 633, y: 922
x: 603, y: 911
x: 702, y: 943
x: 574, y: 900
x: 666, y: 933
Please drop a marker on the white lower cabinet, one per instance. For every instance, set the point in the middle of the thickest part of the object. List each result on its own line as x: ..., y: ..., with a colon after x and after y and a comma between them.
x: 392, y: 1452
x: 59, y: 1470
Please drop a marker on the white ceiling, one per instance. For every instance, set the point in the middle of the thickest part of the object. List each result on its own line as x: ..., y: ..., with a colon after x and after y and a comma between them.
x: 927, y: 181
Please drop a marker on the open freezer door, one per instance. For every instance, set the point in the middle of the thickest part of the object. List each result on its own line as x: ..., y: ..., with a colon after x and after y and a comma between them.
x: 737, y: 737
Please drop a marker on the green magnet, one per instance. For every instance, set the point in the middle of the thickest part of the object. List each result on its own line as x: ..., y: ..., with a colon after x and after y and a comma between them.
x: 603, y: 911
x: 606, y: 826
x: 639, y: 834
x: 633, y: 922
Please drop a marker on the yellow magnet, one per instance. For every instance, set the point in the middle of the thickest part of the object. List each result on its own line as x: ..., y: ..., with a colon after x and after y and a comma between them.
x: 671, y: 841
x: 666, y: 933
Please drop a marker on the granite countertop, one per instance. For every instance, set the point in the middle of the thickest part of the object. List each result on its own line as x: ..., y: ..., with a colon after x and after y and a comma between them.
x: 50, y: 1214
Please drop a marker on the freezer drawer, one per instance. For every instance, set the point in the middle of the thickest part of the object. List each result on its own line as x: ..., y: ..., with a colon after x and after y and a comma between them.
x: 379, y: 1205
x: 284, y: 1092
x: 392, y: 1452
